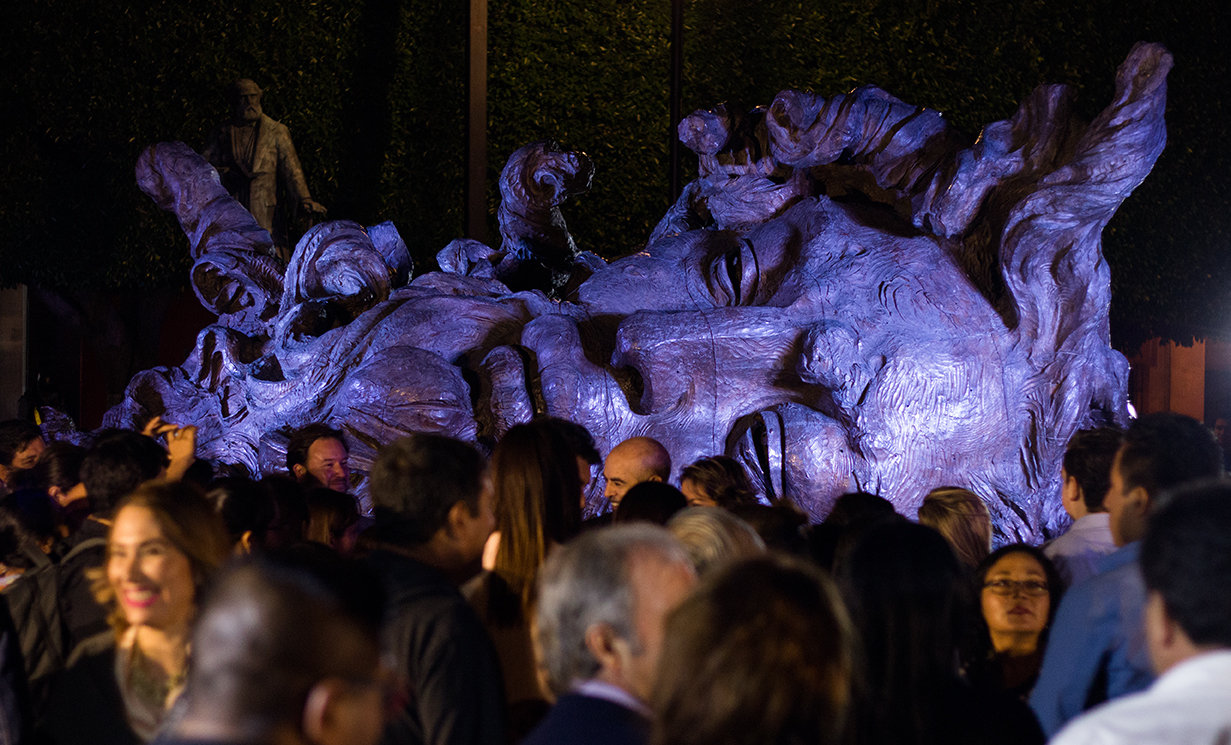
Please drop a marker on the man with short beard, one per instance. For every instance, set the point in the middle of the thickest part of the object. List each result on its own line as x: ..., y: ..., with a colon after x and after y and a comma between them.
x: 252, y: 153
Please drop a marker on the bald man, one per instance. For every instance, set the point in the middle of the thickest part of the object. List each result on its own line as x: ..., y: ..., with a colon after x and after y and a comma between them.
x: 630, y: 463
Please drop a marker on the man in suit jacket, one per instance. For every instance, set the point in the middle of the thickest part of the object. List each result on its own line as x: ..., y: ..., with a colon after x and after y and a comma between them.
x: 603, y: 599
x: 253, y: 153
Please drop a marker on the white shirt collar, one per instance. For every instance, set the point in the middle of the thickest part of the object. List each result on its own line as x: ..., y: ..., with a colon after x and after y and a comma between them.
x: 614, y: 694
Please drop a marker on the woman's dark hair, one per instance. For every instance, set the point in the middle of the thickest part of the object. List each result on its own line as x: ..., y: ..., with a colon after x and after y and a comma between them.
x: 244, y: 506
x: 37, y: 514
x: 330, y: 513
x: 722, y: 479
x: 18, y: 548
x: 650, y: 501
x: 1088, y: 459
x: 59, y: 466
x: 980, y: 641
x: 761, y: 652
x: 538, y: 502
x: 906, y: 593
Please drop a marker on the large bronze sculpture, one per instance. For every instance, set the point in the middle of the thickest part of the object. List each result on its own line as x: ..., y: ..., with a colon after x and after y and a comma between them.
x: 850, y: 296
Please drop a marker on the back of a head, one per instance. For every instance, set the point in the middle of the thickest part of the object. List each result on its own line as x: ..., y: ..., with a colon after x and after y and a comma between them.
x: 780, y: 525
x: 722, y: 479
x: 1164, y: 450
x: 578, y: 438
x: 290, y: 519
x: 761, y: 652
x: 59, y: 467
x: 1088, y: 459
x: 119, y: 461
x: 330, y: 514
x: 713, y: 537
x: 963, y: 519
x: 587, y: 582
x: 15, y: 435
x: 650, y: 501
x: 416, y: 480
x: 855, y: 506
x: 905, y: 590
x: 270, y: 629
x: 1186, y: 558
x: 244, y: 505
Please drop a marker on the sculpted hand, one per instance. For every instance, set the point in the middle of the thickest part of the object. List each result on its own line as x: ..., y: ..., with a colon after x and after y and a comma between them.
x: 312, y: 207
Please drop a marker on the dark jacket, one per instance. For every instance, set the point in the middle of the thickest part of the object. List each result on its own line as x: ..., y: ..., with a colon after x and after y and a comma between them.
x: 585, y: 720
x: 444, y: 656
x: 85, y: 706
x: 83, y: 617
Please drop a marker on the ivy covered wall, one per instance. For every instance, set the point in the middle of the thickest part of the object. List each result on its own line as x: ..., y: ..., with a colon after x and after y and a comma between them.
x: 373, y: 92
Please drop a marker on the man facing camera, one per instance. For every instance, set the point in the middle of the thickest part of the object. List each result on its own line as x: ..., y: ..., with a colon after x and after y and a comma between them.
x: 1186, y: 563
x: 603, y: 602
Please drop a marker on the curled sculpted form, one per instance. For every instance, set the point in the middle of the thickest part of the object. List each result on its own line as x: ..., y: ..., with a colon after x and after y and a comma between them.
x: 850, y: 296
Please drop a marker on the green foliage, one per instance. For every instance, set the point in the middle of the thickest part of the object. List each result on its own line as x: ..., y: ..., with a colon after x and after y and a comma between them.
x: 374, y: 94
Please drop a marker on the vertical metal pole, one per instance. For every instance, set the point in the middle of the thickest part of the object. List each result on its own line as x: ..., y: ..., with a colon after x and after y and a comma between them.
x: 677, y: 88
x: 476, y: 123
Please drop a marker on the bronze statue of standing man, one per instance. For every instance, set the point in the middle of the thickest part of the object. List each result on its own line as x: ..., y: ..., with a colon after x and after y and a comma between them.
x: 253, y: 154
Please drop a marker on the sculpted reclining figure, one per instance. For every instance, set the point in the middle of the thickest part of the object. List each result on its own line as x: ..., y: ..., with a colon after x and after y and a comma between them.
x: 851, y: 296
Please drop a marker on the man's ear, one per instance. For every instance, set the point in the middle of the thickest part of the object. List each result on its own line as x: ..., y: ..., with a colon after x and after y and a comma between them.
x: 1139, y: 501
x: 601, y: 641
x: 318, y: 711
x: 299, y: 470
x: 245, y: 542
x: 457, y: 519
x: 655, y: 477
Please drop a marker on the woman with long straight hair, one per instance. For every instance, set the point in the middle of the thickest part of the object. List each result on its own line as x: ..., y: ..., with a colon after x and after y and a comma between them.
x: 538, y: 506
x: 908, y: 596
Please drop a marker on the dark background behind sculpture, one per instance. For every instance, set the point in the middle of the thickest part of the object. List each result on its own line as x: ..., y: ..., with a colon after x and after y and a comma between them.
x: 373, y: 92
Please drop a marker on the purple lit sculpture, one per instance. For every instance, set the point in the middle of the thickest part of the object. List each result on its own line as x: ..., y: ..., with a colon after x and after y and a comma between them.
x: 851, y: 296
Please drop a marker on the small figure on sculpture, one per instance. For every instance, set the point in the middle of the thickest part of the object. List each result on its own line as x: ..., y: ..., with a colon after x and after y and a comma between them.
x: 253, y: 153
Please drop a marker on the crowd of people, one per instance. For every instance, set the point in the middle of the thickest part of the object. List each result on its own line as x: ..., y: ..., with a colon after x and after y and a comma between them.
x: 148, y: 601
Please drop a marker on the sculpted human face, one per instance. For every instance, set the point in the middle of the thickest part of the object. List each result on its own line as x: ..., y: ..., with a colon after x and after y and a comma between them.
x: 328, y: 462
x: 806, y: 348
x: 151, y: 578
x: 248, y: 102
x: 1015, y: 600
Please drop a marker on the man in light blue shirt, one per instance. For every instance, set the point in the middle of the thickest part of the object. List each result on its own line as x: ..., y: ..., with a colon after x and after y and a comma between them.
x: 1096, y: 650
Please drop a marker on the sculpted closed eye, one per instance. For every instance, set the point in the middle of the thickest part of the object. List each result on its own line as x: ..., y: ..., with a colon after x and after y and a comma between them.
x: 734, y: 275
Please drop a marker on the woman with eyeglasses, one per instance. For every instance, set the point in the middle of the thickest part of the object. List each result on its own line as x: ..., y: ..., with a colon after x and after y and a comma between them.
x: 1019, y: 590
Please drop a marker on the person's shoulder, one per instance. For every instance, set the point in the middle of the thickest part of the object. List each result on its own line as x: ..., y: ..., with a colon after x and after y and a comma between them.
x: 1118, y: 721
x: 271, y: 125
x: 589, y: 720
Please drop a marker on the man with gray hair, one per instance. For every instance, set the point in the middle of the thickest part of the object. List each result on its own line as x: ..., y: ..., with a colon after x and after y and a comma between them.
x: 603, y: 601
